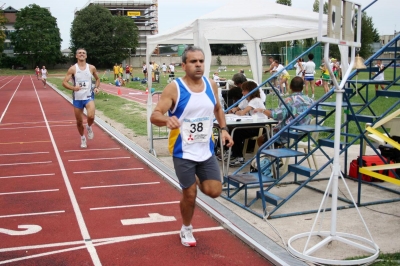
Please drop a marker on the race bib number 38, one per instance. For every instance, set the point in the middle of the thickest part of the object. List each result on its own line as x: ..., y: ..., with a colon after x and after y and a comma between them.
x: 196, y: 130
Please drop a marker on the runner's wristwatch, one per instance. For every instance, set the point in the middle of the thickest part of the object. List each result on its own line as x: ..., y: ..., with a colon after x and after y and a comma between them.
x: 225, y: 128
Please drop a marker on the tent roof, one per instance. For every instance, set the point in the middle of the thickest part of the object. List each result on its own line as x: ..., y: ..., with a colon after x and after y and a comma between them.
x: 246, y: 21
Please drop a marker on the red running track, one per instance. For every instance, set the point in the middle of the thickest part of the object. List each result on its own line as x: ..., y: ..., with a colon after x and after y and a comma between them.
x: 62, y: 205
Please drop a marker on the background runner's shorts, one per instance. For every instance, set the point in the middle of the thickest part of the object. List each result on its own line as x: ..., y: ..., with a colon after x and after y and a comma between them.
x: 81, y: 103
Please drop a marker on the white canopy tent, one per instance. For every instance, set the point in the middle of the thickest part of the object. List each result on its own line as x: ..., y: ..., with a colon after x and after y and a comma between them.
x: 249, y: 22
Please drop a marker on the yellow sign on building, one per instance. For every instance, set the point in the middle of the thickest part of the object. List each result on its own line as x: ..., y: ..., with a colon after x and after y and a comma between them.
x: 134, y: 13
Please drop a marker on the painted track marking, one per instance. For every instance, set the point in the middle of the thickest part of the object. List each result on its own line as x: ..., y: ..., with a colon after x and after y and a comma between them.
x: 78, y: 213
x: 113, y: 170
x: 98, y: 159
x: 8, y: 164
x: 24, y: 153
x: 153, y: 218
x: 108, y: 149
x: 17, y: 176
x: 30, y: 214
x: 29, y: 191
x: 96, y: 243
x: 122, y: 185
x: 134, y: 206
x: 29, y: 229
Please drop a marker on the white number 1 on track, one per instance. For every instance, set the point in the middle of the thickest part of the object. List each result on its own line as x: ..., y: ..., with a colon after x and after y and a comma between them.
x: 153, y: 218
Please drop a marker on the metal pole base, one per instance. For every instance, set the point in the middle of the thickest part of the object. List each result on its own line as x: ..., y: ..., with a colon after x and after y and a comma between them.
x: 346, y: 238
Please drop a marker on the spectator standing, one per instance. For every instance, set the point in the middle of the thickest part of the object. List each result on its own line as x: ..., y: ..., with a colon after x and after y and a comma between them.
x: 309, y: 71
x: 164, y: 69
x: 127, y: 73
x: 116, y: 71
x: 381, y: 75
x: 299, y: 66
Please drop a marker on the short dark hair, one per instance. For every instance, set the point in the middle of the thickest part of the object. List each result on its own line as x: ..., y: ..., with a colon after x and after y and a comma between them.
x: 190, y: 49
x: 235, y: 93
x: 80, y: 49
x: 296, y: 85
x: 238, y: 78
x: 311, y: 56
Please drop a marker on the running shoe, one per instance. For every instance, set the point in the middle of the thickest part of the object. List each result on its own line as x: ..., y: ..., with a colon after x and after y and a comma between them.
x: 187, y: 238
x: 83, y: 143
x: 238, y: 161
x: 90, y: 133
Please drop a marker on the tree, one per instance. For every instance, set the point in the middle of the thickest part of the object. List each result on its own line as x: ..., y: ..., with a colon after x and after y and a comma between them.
x: 3, y: 21
x: 369, y: 35
x: 316, y: 7
x: 36, y: 38
x: 108, y: 39
x: 284, y: 2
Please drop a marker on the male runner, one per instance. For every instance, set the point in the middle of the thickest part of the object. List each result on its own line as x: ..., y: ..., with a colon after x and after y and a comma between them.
x: 83, y: 96
x: 192, y: 102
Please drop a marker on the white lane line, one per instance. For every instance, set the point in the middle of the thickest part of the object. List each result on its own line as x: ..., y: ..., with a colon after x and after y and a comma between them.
x: 38, y: 122
x: 7, y: 164
x: 24, y: 153
x: 134, y: 206
x: 98, y: 242
x: 113, y: 170
x: 9, y: 82
x: 29, y: 191
x: 122, y: 185
x: 98, y: 159
x: 9, y: 102
x: 16, y: 176
x: 30, y: 214
x: 109, y: 149
x: 78, y: 213
x: 18, y: 128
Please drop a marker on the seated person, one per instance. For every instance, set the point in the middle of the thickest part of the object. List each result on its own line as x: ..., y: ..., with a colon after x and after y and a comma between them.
x: 234, y: 95
x: 238, y: 79
x: 220, y: 81
x: 253, y: 102
x: 297, y: 102
x: 117, y: 83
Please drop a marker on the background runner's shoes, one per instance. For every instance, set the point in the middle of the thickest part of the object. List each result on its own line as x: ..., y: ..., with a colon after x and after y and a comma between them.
x: 90, y: 133
x: 83, y: 143
x: 187, y: 238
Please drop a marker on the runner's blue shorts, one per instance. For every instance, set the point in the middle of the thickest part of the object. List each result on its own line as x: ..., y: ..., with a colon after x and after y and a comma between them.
x: 81, y: 103
x: 308, y: 78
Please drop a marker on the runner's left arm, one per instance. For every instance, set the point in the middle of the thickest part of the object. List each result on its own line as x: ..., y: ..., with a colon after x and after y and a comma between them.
x: 94, y: 73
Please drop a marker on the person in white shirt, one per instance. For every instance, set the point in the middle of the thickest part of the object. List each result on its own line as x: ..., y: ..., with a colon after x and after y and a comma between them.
x: 44, y: 75
x: 381, y: 75
x: 220, y: 81
x: 299, y: 66
x: 164, y: 69
x: 309, y: 70
x: 253, y: 102
x: 284, y: 77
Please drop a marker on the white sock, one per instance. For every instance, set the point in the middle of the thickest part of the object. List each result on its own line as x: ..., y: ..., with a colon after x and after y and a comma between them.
x: 83, y: 137
x: 184, y: 227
